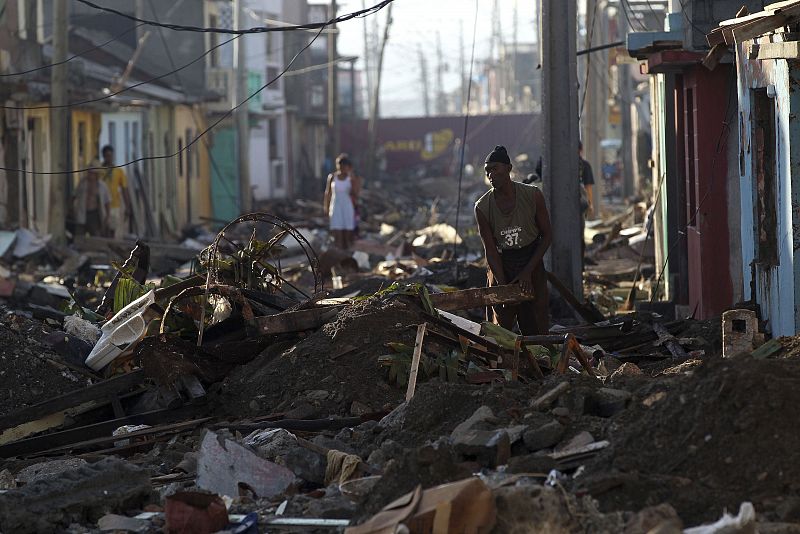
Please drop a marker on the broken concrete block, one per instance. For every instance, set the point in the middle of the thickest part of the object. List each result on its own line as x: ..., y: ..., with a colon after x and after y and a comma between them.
x: 488, y: 447
x: 116, y: 523
x: 607, y: 402
x: 543, y: 437
x: 80, y: 495
x: 317, y: 395
x: 481, y: 415
x: 281, y: 447
x: 49, y: 470
x: 531, y: 463
x: 580, y: 440
x: 7, y: 480
x: 224, y: 466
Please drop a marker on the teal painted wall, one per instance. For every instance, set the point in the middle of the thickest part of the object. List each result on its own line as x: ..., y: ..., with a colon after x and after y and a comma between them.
x: 224, y: 179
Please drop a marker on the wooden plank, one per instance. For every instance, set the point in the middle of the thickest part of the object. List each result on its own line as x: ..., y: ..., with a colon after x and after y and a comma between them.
x: 669, y: 341
x: 295, y: 321
x: 784, y: 50
x: 751, y: 30
x: 70, y: 440
x: 767, y: 349
x: 99, y: 391
x: 587, y: 314
x: 465, y: 299
x: 481, y: 297
x: 714, y: 56
x: 412, y: 375
x: 715, y: 37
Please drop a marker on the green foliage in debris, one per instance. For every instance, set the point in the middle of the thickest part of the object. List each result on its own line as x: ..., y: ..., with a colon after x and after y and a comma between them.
x: 445, y: 366
x: 127, y: 291
x: 404, y: 288
x: 252, y: 265
x: 507, y: 340
x: 71, y: 307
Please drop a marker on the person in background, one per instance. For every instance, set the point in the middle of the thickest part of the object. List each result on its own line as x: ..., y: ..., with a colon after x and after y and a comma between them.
x: 514, y: 225
x: 586, y: 178
x: 341, y: 197
x: 117, y: 184
x: 587, y: 182
x: 91, y: 203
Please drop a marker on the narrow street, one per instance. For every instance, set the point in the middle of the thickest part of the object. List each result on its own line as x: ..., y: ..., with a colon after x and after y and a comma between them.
x: 256, y: 278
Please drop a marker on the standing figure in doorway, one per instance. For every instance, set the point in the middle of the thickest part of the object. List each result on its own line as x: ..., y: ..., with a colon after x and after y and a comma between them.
x: 341, y: 197
x: 514, y: 225
x: 117, y: 184
x: 91, y: 204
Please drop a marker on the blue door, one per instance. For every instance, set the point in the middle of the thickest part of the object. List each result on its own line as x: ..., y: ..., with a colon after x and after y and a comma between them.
x: 224, y: 182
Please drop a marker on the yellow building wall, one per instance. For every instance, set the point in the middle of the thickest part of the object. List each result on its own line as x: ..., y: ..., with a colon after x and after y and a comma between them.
x: 85, y: 135
x: 191, y: 167
x: 37, y: 155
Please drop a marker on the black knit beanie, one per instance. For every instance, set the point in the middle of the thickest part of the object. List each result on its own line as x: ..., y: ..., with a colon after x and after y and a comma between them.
x: 498, y: 155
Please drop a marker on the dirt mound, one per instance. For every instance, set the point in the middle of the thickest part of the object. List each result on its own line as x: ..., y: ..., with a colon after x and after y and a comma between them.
x: 26, y: 377
x: 330, y: 369
x: 709, y: 440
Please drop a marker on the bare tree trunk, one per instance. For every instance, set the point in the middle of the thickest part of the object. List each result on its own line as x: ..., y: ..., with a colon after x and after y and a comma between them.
x: 375, y: 110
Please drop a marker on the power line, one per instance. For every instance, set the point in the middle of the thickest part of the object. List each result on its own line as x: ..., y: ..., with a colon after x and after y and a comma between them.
x: 44, y: 67
x: 194, y: 118
x: 464, y: 138
x: 199, y: 136
x: 128, y: 88
x: 257, y: 29
x: 625, y: 7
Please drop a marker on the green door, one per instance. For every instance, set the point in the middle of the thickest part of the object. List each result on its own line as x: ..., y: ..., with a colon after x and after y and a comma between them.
x: 224, y: 182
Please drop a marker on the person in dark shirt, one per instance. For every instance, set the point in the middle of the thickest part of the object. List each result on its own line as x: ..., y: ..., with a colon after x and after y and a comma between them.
x: 514, y: 226
x: 587, y: 181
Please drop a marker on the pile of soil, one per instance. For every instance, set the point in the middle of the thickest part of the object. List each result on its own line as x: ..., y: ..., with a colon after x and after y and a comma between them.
x: 710, y: 439
x: 26, y: 377
x: 331, y: 369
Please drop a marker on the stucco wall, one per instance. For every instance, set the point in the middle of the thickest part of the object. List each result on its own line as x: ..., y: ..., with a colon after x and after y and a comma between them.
x: 774, y: 285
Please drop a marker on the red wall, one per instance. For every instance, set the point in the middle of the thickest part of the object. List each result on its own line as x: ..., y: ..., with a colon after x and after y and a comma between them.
x: 706, y: 157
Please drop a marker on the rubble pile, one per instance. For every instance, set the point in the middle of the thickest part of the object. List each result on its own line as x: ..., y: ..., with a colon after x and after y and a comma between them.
x: 239, y: 396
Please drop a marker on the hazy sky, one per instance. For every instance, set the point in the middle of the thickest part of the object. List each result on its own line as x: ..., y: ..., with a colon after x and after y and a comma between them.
x: 415, y: 23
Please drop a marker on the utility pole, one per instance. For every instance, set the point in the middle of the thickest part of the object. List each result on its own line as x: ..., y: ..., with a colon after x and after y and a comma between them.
x: 593, y: 119
x: 512, y: 70
x: 463, y: 69
x: 59, y: 123
x: 624, y: 80
x: 560, y: 139
x: 242, y: 117
x: 423, y: 68
x: 375, y: 111
x: 367, y: 58
x: 333, y: 85
x: 440, y: 100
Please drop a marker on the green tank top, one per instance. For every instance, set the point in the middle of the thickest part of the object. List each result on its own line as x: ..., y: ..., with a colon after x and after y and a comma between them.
x: 517, y: 229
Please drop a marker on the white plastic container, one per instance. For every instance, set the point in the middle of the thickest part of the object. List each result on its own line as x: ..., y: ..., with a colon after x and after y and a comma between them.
x: 121, y: 333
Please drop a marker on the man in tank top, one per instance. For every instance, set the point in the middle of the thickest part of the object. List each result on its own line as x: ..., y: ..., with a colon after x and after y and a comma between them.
x: 514, y: 226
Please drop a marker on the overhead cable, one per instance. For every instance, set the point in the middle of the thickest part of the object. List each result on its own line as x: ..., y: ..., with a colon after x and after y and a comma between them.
x: 101, y: 45
x: 257, y: 29
x: 125, y: 89
x: 193, y: 141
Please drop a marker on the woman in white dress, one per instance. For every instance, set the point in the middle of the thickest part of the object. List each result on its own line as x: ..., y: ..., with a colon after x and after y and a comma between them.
x: 341, y: 196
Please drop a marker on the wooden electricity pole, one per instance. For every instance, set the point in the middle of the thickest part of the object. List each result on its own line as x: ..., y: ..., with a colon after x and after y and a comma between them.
x: 242, y: 115
x: 375, y: 111
x: 333, y: 85
x: 59, y: 123
x: 560, y: 139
